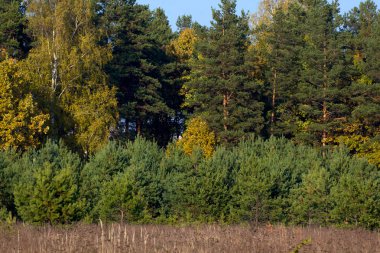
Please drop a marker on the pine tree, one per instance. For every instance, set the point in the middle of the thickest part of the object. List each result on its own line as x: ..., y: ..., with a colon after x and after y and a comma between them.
x: 47, y: 187
x: 170, y: 117
x: 184, y: 22
x: 141, y: 69
x: 282, y: 66
x: 310, y: 201
x: 224, y: 95
x: 100, y: 169
x: 13, y: 38
x: 320, y: 105
x: 359, y: 130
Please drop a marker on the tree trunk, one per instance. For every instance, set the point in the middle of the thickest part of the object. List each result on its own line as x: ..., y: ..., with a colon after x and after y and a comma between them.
x: 54, y: 82
x: 324, y: 104
x: 138, y: 127
x: 225, y: 111
x: 274, y: 90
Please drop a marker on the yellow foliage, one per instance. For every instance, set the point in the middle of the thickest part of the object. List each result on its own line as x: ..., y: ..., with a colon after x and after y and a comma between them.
x: 362, y: 145
x: 95, y: 115
x: 364, y: 80
x: 21, y: 122
x: 372, y: 153
x: 358, y: 58
x: 267, y: 9
x: 66, y: 67
x: 198, y: 135
x: 183, y: 46
x: 349, y: 135
x: 353, y: 142
x: 3, y: 54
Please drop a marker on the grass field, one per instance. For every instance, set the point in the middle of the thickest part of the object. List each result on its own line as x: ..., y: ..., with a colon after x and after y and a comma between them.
x: 150, y: 238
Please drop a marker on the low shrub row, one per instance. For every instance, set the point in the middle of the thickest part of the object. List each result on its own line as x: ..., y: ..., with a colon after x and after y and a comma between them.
x: 138, y: 182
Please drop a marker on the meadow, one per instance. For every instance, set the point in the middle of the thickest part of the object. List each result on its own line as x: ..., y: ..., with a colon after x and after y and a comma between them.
x: 204, y: 238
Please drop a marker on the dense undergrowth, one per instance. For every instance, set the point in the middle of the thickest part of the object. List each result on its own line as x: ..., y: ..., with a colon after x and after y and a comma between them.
x: 137, y: 182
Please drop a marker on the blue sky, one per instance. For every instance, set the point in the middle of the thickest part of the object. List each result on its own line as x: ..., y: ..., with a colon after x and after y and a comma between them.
x: 201, y: 9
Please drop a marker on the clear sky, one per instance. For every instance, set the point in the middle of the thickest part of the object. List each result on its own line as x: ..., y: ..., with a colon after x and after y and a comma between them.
x: 201, y: 9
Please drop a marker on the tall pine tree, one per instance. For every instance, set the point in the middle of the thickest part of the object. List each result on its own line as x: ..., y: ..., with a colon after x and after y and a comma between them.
x: 223, y: 92
x: 320, y: 107
x: 281, y: 67
x: 141, y: 69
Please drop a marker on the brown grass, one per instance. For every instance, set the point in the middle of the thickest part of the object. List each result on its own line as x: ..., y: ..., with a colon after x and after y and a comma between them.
x: 133, y: 238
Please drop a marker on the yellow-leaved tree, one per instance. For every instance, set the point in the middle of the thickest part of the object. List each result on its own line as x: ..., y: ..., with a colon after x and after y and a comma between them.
x: 361, y: 139
x: 22, y: 123
x: 183, y: 46
x: 198, y: 135
x: 66, y: 67
x: 94, y: 114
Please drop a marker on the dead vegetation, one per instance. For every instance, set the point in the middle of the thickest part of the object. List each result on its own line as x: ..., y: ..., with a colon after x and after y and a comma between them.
x: 213, y: 238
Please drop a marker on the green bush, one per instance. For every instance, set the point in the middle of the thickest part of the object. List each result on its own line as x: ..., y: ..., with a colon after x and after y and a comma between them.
x: 256, y: 181
x: 7, y: 178
x: 120, y: 200
x: 356, y: 196
x: 47, y: 190
x: 145, y: 173
x: 119, y: 167
x: 101, y: 168
x: 310, y: 202
x: 269, y: 170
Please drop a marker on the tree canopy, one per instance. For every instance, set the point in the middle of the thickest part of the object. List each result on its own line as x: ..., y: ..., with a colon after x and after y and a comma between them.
x: 107, y: 112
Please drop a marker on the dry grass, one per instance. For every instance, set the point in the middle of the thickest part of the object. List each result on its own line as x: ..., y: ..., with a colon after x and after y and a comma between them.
x: 130, y: 238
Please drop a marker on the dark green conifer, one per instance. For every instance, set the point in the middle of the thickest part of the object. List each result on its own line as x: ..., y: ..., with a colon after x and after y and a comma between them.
x: 223, y: 92
x: 13, y: 36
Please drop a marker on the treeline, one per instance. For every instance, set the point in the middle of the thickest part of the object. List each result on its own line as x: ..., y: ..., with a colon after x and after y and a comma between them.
x: 137, y: 182
x: 88, y: 72
x: 155, y: 125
